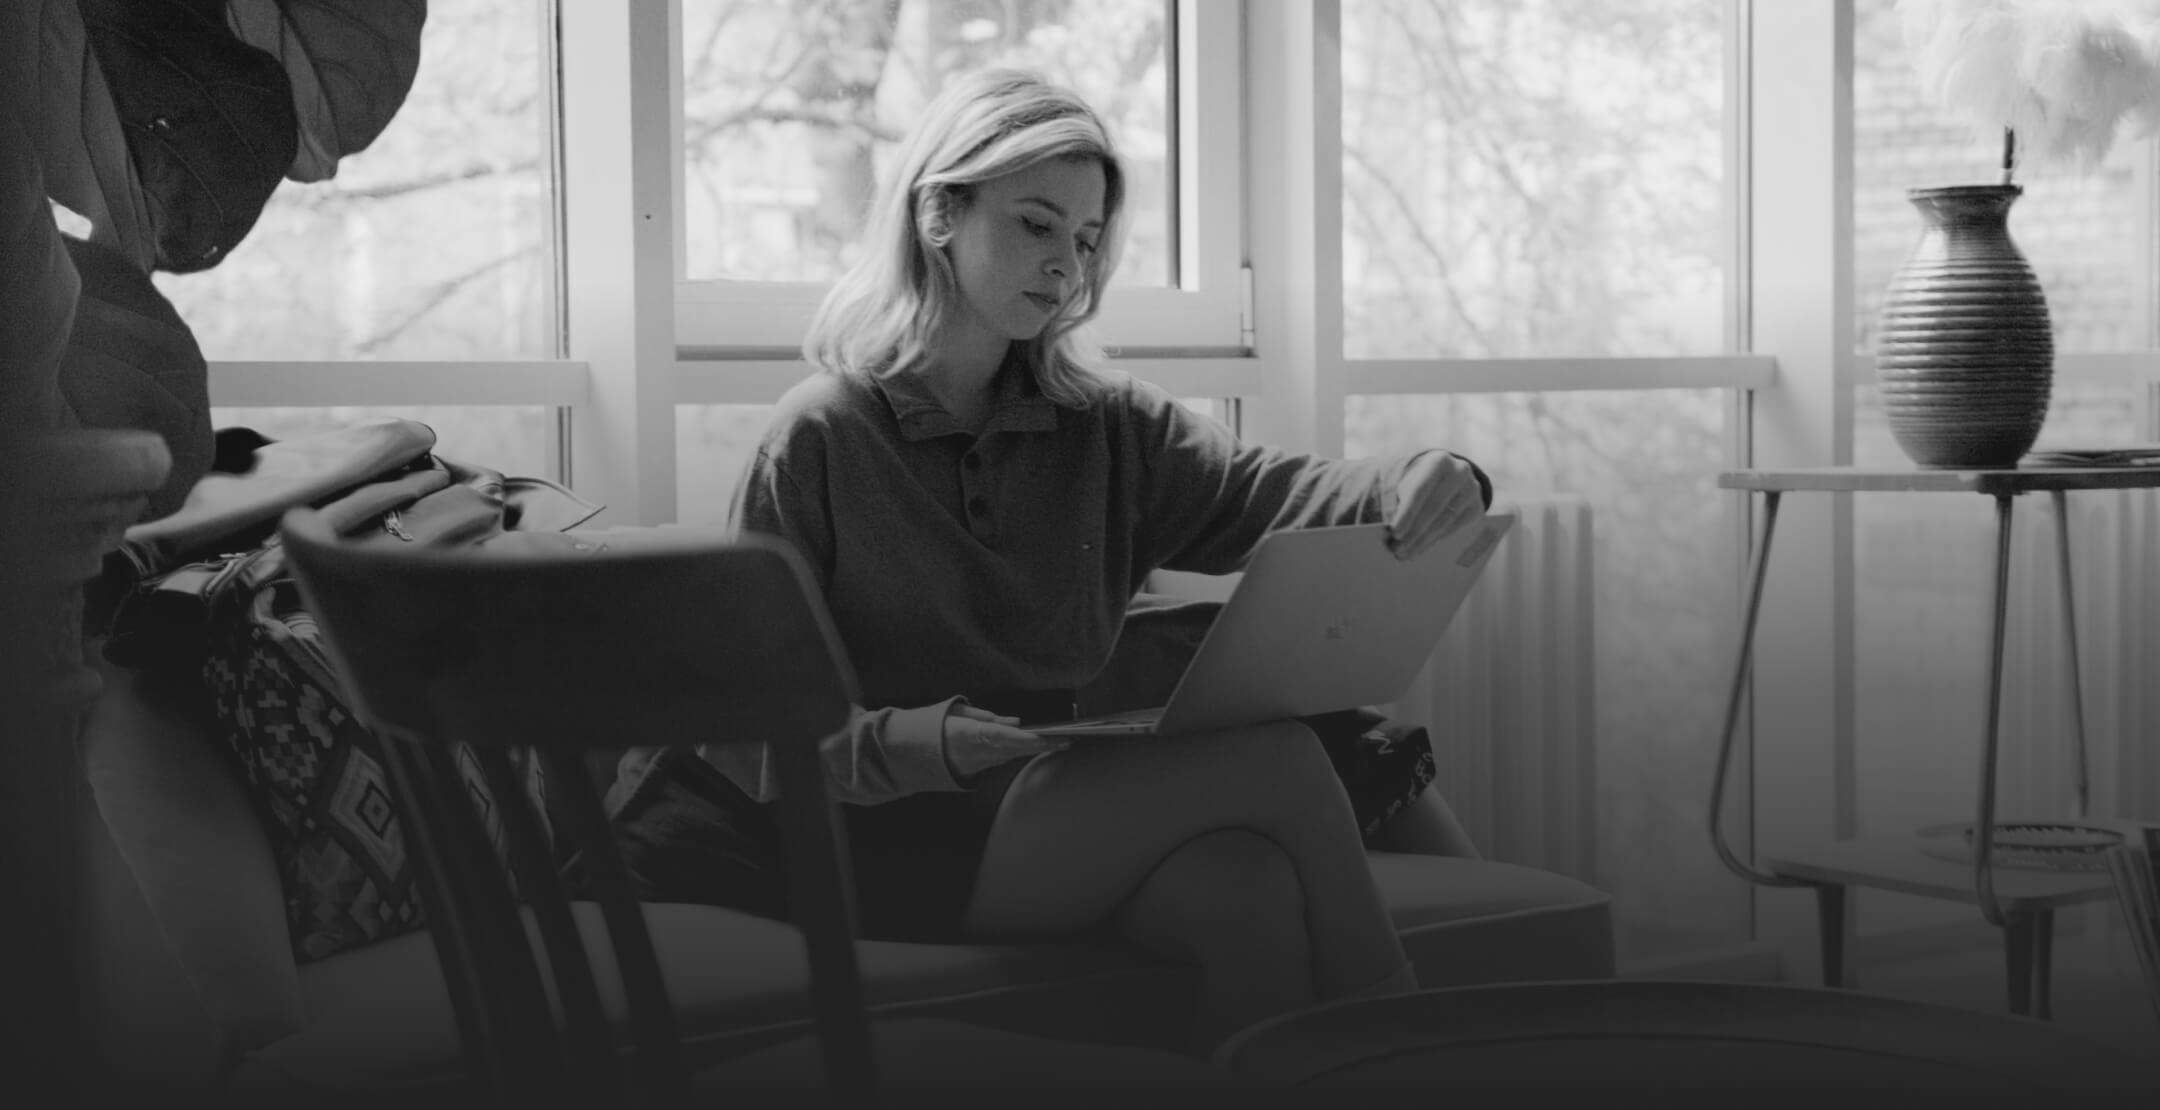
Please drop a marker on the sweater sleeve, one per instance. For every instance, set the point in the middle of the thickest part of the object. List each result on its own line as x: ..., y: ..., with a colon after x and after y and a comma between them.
x: 881, y: 754
x: 1209, y: 499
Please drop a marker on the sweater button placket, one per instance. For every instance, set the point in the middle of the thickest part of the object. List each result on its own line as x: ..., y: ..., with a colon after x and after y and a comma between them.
x: 978, y: 504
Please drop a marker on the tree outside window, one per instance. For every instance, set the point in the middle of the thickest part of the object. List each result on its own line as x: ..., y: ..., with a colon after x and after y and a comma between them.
x: 792, y: 111
x: 1546, y: 179
x: 435, y: 243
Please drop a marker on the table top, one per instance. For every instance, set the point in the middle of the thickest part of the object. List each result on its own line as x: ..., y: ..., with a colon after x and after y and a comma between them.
x: 2009, y: 480
x: 1899, y: 864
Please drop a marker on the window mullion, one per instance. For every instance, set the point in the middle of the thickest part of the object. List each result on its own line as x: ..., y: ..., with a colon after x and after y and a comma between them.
x: 1800, y: 228
x: 619, y: 233
x: 1296, y: 225
x: 1199, y: 312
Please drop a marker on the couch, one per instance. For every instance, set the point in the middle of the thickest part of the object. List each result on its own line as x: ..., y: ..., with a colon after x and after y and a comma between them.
x: 252, y: 1020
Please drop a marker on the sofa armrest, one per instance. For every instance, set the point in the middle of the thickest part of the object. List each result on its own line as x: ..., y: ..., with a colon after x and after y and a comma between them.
x: 197, y: 853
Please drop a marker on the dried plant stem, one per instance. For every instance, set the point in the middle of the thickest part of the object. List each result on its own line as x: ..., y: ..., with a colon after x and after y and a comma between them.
x: 2009, y: 153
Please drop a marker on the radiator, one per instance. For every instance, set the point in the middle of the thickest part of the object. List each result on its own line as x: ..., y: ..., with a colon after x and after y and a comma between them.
x: 1510, y: 697
x: 2115, y: 565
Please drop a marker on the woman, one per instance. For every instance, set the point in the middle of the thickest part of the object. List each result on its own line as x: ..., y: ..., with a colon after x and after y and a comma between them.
x: 978, y: 505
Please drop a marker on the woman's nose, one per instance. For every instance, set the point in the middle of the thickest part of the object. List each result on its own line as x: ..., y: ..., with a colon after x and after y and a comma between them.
x: 1061, y: 263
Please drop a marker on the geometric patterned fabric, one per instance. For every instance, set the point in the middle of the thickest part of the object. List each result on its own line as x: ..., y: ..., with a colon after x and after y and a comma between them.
x: 314, y: 773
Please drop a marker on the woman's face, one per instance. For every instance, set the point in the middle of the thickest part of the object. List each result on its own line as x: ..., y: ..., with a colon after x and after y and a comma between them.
x: 1022, y: 246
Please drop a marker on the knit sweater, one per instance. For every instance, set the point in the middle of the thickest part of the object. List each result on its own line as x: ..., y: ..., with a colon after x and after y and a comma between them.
x: 983, y: 565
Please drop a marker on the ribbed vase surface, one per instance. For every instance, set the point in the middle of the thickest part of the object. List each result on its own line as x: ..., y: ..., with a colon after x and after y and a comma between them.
x: 1964, y: 352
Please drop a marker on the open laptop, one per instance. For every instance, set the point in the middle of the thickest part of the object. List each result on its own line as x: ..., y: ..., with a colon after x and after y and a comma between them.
x: 1324, y: 619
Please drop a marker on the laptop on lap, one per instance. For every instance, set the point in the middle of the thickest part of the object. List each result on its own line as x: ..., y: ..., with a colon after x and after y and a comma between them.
x: 1324, y: 619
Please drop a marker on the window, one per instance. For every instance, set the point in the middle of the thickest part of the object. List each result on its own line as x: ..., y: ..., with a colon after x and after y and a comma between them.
x: 2081, y: 231
x: 435, y: 244
x: 1537, y: 178
x: 790, y: 113
x: 1640, y: 458
x: 1541, y: 189
x: 714, y: 443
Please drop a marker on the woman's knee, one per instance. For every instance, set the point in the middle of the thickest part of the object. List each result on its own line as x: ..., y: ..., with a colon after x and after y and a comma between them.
x: 1225, y: 898
x: 1281, y: 767
x: 1234, y: 874
x: 1282, y: 745
x: 1272, y: 778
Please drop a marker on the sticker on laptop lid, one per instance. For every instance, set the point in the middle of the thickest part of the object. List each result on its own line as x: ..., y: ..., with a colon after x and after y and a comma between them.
x: 1479, y: 547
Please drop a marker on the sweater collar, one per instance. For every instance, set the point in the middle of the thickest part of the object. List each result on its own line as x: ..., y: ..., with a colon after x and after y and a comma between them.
x: 1017, y: 403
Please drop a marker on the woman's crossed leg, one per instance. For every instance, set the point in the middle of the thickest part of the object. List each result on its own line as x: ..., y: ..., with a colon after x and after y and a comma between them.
x: 1234, y: 850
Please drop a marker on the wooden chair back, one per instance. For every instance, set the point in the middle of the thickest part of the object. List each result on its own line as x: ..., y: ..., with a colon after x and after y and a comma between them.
x: 522, y: 656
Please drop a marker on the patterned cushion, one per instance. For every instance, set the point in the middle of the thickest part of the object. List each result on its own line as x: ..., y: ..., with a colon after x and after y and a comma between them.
x: 1384, y: 765
x: 316, y: 775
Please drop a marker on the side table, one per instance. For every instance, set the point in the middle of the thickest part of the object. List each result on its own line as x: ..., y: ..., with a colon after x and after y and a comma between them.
x: 2021, y: 902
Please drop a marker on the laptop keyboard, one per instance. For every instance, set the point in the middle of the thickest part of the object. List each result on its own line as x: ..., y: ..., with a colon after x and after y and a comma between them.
x: 1125, y: 720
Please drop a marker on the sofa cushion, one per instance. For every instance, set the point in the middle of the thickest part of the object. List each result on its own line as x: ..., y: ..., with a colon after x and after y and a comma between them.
x: 379, y: 1015
x: 182, y: 825
x: 1424, y: 891
x: 1469, y: 921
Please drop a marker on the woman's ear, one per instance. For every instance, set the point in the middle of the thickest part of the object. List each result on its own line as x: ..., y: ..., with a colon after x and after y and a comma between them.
x: 933, y: 217
x: 939, y: 207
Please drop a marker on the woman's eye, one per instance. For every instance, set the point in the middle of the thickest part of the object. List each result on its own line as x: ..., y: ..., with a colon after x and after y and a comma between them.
x: 1038, y: 230
x: 1086, y: 247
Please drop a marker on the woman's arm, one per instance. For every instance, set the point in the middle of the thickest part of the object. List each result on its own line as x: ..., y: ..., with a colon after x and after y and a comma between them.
x: 1207, y: 499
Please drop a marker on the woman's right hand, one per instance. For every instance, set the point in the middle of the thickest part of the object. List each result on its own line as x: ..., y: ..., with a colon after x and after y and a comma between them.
x: 977, y: 740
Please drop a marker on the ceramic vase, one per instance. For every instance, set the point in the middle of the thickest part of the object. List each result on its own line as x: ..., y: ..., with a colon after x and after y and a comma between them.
x: 1965, y: 353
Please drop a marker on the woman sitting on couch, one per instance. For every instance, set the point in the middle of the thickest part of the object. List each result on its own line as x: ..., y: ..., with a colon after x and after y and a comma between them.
x: 978, y: 504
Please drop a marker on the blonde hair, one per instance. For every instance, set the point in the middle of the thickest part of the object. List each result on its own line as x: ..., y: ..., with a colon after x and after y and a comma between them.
x: 886, y: 312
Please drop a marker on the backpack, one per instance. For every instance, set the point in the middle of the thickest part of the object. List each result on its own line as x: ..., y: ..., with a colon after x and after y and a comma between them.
x: 206, y: 592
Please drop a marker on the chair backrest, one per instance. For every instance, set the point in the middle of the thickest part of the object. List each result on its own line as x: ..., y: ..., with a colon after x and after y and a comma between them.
x: 675, y: 637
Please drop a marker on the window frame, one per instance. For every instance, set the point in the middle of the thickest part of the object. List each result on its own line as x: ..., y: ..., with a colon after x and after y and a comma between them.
x: 761, y: 322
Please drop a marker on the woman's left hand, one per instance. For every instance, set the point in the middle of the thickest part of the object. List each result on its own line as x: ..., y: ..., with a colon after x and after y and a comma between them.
x: 1439, y: 493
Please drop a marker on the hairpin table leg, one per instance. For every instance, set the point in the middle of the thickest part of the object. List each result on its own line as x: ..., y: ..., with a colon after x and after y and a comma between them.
x: 1736, y: 693
x: 2018, y: 961
x: 1984, y: 826
x: 2043, y: 979
x: 1833, y: 923
x: 2082, y: 801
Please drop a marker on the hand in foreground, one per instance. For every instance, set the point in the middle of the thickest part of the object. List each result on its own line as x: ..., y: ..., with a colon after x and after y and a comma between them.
x: 977, y: 740
x: 1439, y: 493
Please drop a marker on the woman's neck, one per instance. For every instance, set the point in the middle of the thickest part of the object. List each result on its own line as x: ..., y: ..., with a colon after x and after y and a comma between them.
x: 961, y: 374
